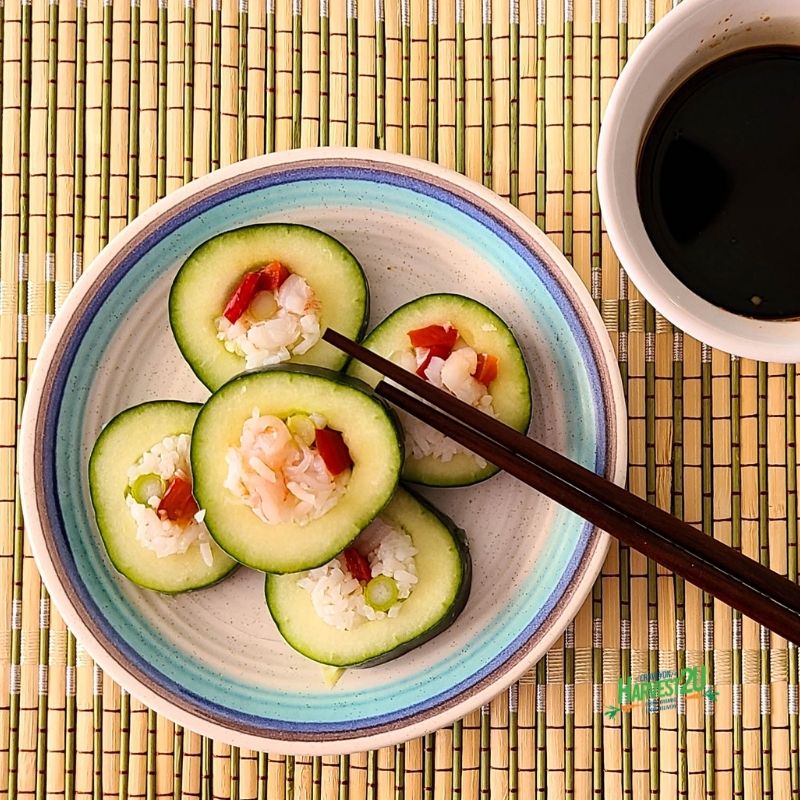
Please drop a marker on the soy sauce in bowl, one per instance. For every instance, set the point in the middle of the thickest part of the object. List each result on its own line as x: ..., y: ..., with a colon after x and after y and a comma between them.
x: 719, y: 182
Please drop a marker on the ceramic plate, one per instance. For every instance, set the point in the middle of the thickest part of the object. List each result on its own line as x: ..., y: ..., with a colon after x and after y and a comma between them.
x: 213, y: 660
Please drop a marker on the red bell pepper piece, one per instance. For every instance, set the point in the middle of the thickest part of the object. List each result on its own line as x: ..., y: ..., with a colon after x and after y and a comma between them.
x: 273, y: 275
x: 357, y: 565
x: 486, y: 371
x: 333, y: 450
x: 243, y: 296
x: 435, y: 351
x: 178, y: 502
x: 268, y: 279
x: 434, y: 336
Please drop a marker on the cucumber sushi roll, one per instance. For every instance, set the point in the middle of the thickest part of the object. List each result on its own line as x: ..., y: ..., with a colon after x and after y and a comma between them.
x: 463, y: 347
x: 291, y: 464
x: 141, y: 488
x: 261, y: 295
x: 403, y: 581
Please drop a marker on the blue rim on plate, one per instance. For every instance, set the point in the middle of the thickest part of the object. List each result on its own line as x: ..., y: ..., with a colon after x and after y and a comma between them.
x: 53, y: 486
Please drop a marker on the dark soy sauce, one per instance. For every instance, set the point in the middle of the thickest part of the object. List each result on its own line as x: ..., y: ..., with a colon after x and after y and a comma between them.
x: 719, y: 182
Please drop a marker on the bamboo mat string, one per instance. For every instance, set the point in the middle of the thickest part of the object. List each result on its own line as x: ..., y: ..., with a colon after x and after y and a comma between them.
x: 398, y: 752
x: 42, y: 690
x: 216, y: 82
x: 625, y: 556
x: 188, y: 90
x: 162, y: 43
x: 708, y: 601
x: 514, y: 166
x: 541, y: 221
x: 297, y: 72
x: 78, y: 233
x: 595, y: 287
x: 49, y: 309
x: 460, y: 166
x: 15, y: 678
x: 792, y: 569
x: 763, y: 557
x: 569, y: 252
x: 677, y: 507
x: 429, y: 760
x: 736, y: 617
x: 80, y: 140
x: 352, y: 73
x: 405, y: 45
x: 132, y: 213
x: 497, y: 35
x: 513, y: 99
x: 344, y: 764
x: 99, y: 762
x: 654, y: 712
x: 163, y: 32
x: 241, y: 138
x: 486, y: 78
x: 624, y: 553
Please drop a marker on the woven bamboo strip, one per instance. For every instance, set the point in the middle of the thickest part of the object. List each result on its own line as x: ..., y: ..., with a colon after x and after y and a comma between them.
x: 16, y: 759
x: 497, y: 37
x: 541, y: 220
x: 32, y: 716
x: 309, y: 97
x: 147, y: 155
x: 763, y: 555
x: 623, y: 552
x: 567, y: 246
x: 8, y: 171
x: 78, y: 229
x: 49, y: 309
x: 283, y: 77
x: 252, y: 48
x: 125, y: 721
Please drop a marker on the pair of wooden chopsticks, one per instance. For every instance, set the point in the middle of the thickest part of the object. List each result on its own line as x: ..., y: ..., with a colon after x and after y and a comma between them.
x: 762, y: 594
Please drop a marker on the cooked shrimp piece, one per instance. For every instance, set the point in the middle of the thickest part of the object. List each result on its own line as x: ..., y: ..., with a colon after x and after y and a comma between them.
x: 282, y: 477
x: 296, y: 296
x: 457, y: 375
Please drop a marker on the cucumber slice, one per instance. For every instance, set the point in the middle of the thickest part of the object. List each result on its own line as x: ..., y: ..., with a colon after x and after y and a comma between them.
x: 444, y: 571
x: 482, y: 330
x: 371, y: 435
x: 119, y: 446
x: 208, y: 278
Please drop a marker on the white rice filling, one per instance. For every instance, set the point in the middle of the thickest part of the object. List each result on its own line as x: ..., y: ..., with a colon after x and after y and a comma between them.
x: 292, y: 330
x: 167, y: 537
x: 338, y: 598
x: 455, y: 375
x: 278, y: 475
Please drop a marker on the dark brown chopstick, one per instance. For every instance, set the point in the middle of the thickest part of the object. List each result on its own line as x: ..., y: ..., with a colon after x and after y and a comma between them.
x: 760, y: 593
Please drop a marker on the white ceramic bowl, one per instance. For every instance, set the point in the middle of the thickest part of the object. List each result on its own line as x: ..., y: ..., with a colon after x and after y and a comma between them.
x: 692, y: 35
x: 214, y: 660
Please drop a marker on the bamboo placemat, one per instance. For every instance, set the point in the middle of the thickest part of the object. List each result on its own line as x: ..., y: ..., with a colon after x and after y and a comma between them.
x: 108, y: 106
